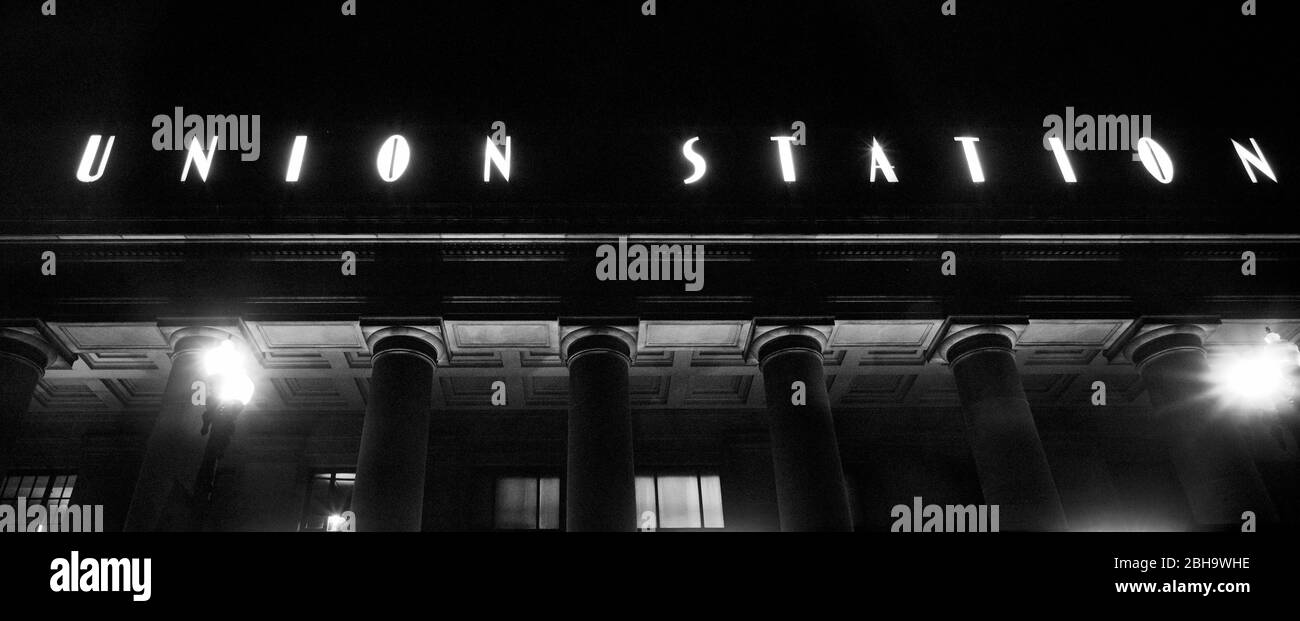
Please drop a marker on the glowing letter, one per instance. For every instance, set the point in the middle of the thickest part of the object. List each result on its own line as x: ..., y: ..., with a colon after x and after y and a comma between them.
x: 787, y: 156
x: 879, y: 161
x: 695, y: 160
x: 88, y: 159
x: 972, y: 157
x: 393, y: 158
x: 201, y: 161
x: 295, y: 158
x: 1248, y: 160
x: 1062, y: 160
x: 493, y: 157
x: 1155, y: 159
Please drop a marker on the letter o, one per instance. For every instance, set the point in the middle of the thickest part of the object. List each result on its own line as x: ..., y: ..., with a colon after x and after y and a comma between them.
x: 394, y: 155
x: 1156, y: 160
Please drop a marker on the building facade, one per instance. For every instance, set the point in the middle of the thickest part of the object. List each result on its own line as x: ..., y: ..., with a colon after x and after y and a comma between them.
x: 817, y: 386
x: 995, y: 259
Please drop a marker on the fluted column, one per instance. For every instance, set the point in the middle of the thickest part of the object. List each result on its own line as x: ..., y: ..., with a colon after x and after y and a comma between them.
x: 23, y: 360
x: 810, y: 489
x: 175, y: 448
x: 389, y: 492
x: 1208, y: 452
x: 1004, y: 441
x: 600, y: 477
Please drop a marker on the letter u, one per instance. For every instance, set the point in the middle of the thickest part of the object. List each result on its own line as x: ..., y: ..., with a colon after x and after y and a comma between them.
x: 88, y: 159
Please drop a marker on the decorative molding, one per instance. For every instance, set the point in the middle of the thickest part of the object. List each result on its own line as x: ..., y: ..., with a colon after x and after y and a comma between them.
x: 961, y: 328
x: 570, y: 334
x: 767, y: 330
x: 1147, y: 329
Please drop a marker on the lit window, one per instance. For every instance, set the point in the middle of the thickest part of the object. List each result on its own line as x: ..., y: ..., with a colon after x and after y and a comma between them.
x: 47, y: 488
x: 527, y: 503
x: 329, y: 494
x: 677, y: 501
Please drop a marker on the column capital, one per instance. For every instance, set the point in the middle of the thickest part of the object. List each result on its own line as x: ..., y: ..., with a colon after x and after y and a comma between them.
x: 779, y: 336
x: 27, y: 346
x: 577, y: 341
x: 1152, y: 337
x: 965, y: 335
x: 185, y: 338
x: 424, y: 341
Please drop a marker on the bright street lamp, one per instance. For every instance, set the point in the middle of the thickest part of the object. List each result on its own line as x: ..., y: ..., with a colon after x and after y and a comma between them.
x: 1260, y: 378
x: 233, y: 390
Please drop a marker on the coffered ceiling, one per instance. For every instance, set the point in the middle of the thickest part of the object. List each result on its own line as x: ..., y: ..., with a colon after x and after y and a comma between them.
x: 688, y: 365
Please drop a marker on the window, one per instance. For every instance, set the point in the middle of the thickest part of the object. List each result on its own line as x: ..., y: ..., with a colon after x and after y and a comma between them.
x: 527, y: 503
x: 47, y: 488
x: 329, y: 494
x: 678, y: 501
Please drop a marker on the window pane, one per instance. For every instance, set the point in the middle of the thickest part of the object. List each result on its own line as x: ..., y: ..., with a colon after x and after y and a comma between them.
x: 56, y: 488
x: 328, y: 494
x: 47, y: 488
x: 516, y: 502
x: 38, y: 490
x: 645, y: 503
x: 319, y: 496
x: 711, y: 489
x: 11, y: 488
x: 679, y: 502
x: 341, y: 494
x: 548, y: 504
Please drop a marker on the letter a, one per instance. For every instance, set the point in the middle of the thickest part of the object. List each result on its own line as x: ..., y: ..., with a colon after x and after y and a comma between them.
x: 1099, y: 393
x: 949, y: 267
x: 498, y: 393
x: 881, y: 163
x: 59, y: 581
x: 349, y: 267
x: 50, y: 265
x: 200, y: 395
x: 1247, y: 263
x: 800, y: 394
x: 350, y: 7
x: 949, y: 7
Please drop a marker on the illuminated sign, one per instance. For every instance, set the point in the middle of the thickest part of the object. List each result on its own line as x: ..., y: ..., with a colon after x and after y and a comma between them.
x: 394, y: 157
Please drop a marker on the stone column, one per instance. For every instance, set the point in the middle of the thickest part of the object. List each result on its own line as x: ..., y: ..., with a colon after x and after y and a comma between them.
x: 1009, y: 456
x: 175, y: 448
x: 389, y: 492
x: 810, y: 489
x: 1206, y: 448
x: 600, y: 479
x: 23, y: 360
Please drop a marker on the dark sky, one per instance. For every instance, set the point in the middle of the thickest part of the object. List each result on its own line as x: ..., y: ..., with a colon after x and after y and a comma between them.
x: 598, y: 99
